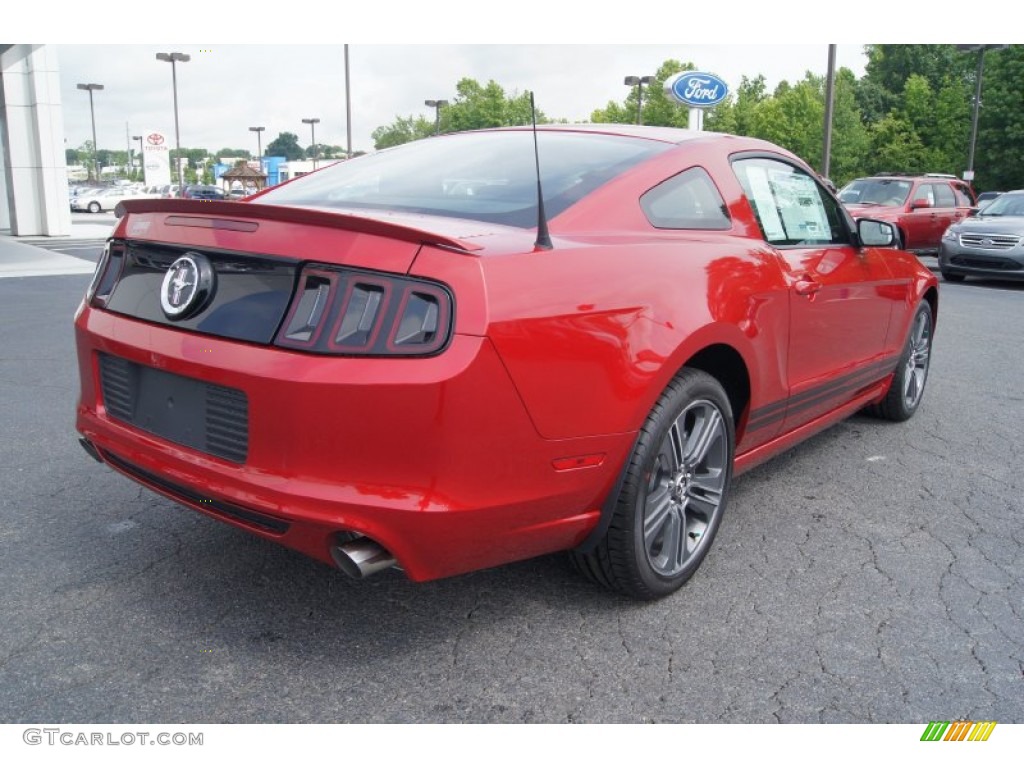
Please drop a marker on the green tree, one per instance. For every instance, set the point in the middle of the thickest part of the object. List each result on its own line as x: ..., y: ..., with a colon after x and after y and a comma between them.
x: 228, y: 152
x: 403, y: 130
x: 895, y: 146
x: 485, y: 106
x: 736, y: 114
x: 999, y: 154
x: 891, y: 66
x: 87, y: 157
x: 285, y: 145
x: 474, y: 106
x: 850, y: 140
x: 657, y: 108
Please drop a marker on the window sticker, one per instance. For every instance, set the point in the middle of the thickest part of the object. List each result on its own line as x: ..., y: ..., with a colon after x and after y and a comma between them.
x: 803, y: 214
x: 764, y: 202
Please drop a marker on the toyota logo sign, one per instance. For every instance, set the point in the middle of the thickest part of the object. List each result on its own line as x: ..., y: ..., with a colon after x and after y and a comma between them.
x: 155, y: 138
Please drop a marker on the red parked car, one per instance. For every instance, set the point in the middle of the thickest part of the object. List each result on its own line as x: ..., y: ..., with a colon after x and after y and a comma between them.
x: 377, y: 367
x: 921, y: 207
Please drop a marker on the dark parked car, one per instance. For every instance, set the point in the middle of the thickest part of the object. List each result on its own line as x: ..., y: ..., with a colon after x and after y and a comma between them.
x: 377, y: 369
x: 987, y: 197
x: 204, y: 192
x: 921, y: 207
x: 990, y: 244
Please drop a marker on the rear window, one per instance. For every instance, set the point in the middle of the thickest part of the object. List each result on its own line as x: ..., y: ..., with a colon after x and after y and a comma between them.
x: 875, y: 192
x: 487, y: 176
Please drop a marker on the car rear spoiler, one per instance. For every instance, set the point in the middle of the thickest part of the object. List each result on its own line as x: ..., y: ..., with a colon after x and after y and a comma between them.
x: 231, y: 210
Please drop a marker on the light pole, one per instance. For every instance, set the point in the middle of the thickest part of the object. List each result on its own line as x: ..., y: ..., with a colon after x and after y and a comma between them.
x: 258, y: 130
x: 174, y: 58
x: 312, y: 121
x: 142, y: 159
x: 969, y: 173
x: 639, y: 82
x: 437, y: 104
x: 830, y: 84
x: 90, y: 87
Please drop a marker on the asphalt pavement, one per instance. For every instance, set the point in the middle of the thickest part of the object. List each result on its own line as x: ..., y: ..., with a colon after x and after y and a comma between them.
x: 872, y: 574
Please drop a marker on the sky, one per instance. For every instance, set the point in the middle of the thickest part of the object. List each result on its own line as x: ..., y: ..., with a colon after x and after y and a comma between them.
x: 273, y: 65
x: 226, y: 88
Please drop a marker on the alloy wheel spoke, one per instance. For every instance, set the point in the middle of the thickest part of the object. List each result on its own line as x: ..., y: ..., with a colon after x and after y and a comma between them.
x: 659, y: 507
x: 707, y: 427
x: 704, y: 499
x: 675, y: 441
x: 674, y: 545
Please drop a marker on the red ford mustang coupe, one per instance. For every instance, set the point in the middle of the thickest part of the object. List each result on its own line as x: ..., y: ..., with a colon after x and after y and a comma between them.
x: 405, y: 361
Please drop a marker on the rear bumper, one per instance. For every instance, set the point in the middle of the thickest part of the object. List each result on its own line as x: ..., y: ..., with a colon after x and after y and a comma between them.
x: 436, y: 459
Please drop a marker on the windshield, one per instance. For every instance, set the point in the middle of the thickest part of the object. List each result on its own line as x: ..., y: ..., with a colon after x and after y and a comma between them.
x: 1005, y: 205
x: 487, y: 176
x: 875, y: 192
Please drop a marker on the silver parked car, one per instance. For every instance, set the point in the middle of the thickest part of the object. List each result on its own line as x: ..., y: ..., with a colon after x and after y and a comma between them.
x: 990, y: 244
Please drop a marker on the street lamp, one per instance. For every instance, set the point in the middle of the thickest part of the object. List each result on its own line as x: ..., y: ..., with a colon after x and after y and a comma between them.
x: 174, y: 58
x: 639, y: 82
x: 437, y: 104
x: 312, y: 121
x: 969, y: 173
x: 258, y: 130
x: 142, y: 152
x: 90, y: 87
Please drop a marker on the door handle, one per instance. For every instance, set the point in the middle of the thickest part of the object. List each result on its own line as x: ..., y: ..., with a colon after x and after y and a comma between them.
x: 804, y: 286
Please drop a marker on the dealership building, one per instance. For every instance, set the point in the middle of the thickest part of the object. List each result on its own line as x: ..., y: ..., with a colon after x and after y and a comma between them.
x: 33, y: 169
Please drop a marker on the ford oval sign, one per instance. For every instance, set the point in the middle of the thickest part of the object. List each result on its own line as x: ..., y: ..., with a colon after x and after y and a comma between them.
x: 697, y: 89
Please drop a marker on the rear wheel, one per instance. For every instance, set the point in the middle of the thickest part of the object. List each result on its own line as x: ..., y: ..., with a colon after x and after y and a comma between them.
x: 674, y: 494
x: 94, y: 207
x: 907, y: 387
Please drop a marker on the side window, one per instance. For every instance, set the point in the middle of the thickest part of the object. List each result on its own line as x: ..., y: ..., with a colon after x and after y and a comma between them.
x: 789, y: 205
x: 944, y: 196
x: 926, y: 192
x: 963, y: 200
x: 688, y: 200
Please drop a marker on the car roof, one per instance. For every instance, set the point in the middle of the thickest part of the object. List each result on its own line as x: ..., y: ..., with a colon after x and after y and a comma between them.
x: 654, y: 132
x: 929, y: 177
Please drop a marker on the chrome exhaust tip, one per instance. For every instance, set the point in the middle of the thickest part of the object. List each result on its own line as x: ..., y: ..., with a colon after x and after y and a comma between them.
x: 362, y: 557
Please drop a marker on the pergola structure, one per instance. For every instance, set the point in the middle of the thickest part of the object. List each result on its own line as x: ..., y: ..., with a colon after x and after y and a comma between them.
x: 244, y: 174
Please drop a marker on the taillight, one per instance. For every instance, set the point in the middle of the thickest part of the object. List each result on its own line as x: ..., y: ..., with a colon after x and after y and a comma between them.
x: 108, y: 270
x: 339, y: 311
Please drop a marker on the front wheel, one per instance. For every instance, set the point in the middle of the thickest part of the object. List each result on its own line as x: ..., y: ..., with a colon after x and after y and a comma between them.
x: 674, y: 494
x: 94, y: 208
x: 952, y: 277
x: 907, y: 387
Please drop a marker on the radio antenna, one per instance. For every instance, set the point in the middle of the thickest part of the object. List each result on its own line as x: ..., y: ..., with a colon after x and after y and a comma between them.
x: 543, y: 238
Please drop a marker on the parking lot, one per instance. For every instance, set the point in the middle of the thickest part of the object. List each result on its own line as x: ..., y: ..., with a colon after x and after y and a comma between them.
x: 873, y: 574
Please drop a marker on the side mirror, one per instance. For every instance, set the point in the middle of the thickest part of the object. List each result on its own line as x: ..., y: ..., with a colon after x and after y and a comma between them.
x: 878, y: 234
x: 921, y: 202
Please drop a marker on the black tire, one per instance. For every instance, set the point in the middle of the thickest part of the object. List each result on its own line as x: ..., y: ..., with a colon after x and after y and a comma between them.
x: 674, y: 494
x: 952, y: 277
x: 95, y: 208
x: 907, y: 387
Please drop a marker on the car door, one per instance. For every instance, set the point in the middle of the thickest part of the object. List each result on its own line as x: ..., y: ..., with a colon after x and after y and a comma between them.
x: 918, y: 221
x: 839, y: 306
x: 944, y: 213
